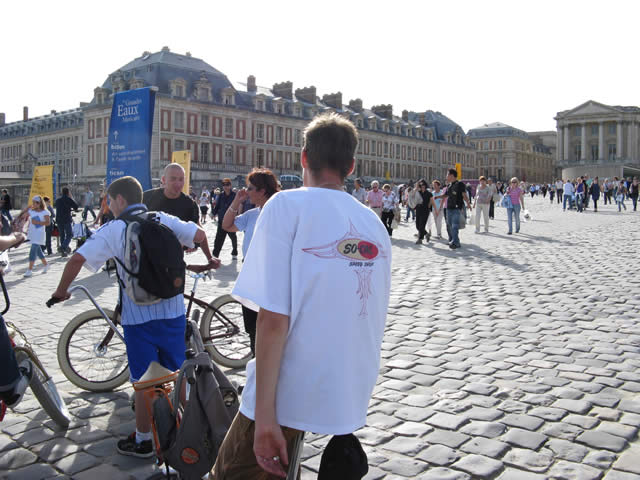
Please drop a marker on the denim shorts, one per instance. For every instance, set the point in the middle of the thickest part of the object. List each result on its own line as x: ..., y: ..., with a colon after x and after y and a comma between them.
x: 161, y: 341
x: 36, y: 251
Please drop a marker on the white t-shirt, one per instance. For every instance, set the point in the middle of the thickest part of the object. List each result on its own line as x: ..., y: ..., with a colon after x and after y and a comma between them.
x: 108, y: 242
x: 329, y: 270
x: 37, y: 233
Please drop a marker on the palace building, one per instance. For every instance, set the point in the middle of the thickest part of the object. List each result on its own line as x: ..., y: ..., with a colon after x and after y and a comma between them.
x: 229, y: 127
x: 598, y: 140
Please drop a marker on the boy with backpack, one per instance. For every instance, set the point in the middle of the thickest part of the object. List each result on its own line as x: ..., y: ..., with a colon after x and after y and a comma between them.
x: 152, y: 286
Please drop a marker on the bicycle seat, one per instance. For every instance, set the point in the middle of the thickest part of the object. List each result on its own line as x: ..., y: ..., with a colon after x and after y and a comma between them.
x: 156, y: 374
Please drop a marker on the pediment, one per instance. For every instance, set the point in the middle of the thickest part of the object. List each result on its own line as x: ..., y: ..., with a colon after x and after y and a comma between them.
x: 591, y: 108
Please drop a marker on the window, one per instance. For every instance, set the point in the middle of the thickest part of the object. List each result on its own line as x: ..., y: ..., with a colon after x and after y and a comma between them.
x: 98, y: 154
x: 178, y: 120
x: 204, y: 123
x: 279, y: 108
x: 98, y: 127
x: 260, y: 105
x: 228, y: 126
x: 178, y: 145
x: 612, y: 151
x: 612, y: 129
x: 594, y: 129
x: 297, y: 137
x: 594, y: 152
x: 228, y: 154
x: 260, y: 157
x: 260, y: 131
x: 204, y: 152
x: 296, y: 162
x: 577, y: 130
x: 397, y: 150
x: 179, y: 91
x: 228, y: 99
x: 386, y: 148
x: 297, y: 111
x: 279, y: 135
x: 577, y: 152
x: 279, y: 160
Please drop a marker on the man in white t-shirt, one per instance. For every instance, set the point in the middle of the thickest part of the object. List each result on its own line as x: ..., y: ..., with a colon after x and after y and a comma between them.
x: 322, y: 289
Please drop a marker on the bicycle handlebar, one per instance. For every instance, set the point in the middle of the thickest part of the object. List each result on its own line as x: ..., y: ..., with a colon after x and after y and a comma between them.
x: 202, y: 275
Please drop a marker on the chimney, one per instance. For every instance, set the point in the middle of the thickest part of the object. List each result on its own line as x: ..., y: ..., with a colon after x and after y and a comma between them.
x: 405, y: 115
x: 165, y: 49
x: 333, y: 100
x: 284, y: 90
x: 251, y: 84
x: 384, y: 111
x: 356, y: 105
x: 421, y: 118
x: 25, y: 113
x: 188, y: 54
x: 307, y: 94
x: 2, y: 119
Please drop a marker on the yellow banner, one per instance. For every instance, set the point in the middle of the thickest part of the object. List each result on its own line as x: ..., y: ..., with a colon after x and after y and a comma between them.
x: 459, y: 170
x: 183, y: 158
x: 42, y: 182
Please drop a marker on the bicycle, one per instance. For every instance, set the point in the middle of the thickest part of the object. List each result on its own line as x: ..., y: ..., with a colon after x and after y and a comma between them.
x: 92, y: 353
x: 41, y: 384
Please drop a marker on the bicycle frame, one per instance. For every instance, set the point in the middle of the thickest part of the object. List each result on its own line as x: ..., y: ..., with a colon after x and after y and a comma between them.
x: 112, y: 326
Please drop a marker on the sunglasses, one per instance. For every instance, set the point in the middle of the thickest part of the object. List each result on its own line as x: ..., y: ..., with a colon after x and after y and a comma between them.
x: 226, y: 184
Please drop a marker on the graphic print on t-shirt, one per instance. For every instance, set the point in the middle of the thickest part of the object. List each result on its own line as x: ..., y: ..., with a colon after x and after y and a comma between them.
x: 361, y: 255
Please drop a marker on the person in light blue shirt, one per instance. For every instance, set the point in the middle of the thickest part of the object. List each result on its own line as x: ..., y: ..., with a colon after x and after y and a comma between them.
x: 261, y: 185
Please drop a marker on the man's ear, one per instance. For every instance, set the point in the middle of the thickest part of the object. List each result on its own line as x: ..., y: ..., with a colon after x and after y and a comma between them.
x: 303, y: 160
x: 352, y: 167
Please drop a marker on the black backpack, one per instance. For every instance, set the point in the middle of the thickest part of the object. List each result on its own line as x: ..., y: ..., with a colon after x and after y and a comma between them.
x: 153, y: 259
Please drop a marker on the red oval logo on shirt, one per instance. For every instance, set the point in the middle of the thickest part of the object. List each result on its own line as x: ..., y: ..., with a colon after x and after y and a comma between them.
x: 357, y: 249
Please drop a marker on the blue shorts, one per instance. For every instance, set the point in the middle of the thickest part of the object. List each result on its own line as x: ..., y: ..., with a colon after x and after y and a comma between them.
x: 161, y: 341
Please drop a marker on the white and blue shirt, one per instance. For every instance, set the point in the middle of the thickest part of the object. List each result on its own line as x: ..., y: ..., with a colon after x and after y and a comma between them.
x: 109, y: 242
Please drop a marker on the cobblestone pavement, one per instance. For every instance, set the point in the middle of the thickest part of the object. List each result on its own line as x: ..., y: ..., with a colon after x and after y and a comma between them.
x: 515, y: 357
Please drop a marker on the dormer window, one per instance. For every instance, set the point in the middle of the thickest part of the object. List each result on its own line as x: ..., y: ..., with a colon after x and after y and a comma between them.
x: 278, y: 107
x: 260, y: 105
x: 178, y: 87
x: 137, y: 83
x: 297, y: 111
x: 228, y: 99
x: 359, y: 123
x: 204, y: 94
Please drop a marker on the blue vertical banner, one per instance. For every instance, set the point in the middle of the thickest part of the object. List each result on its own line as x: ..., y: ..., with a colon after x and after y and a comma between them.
x: 130, y: 136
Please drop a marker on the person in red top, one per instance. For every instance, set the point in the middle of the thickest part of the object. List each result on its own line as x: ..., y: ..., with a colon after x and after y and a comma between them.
x: 374, y: 198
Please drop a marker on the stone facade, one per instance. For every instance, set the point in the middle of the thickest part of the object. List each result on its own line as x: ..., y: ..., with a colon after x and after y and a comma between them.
x: 598, y: 140
x: 503, y: 152
x: 230, y: 127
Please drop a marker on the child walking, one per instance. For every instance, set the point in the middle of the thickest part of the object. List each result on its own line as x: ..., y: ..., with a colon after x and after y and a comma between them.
x: 39, y: 218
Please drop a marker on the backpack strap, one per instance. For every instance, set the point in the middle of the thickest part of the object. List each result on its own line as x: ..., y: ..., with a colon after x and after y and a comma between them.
x: 200, y: 360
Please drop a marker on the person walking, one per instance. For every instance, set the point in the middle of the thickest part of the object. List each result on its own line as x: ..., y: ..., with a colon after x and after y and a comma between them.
x: 494, y: 195
x: 49, y: 228
x: 482, y: 203
x: 204, y: 207
x: 621, y: 194
x: 374, y: 198
x: 438, y: 211
x: 423, y: 204
x: 594, y: 191
x: 64, y: 205
x: 5, y: 204
x: 633, y: 193
x: 559, y: 189
x: 294, y: 270
x: 223, y: 202
x: 262, y: 184
x: 580, y: 194
x: 39, y: 218
x: 456, y: 199
x: 358, y: 192
x: 411, y: 210
x: 568, y: 190
x: 516, y: 195
x: 389, y: 203
x: 87, y: 204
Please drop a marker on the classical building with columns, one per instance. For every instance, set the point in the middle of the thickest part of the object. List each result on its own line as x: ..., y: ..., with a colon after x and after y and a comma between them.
x: 504, y: 152
x: 231, y: 127
x: 598, y: 140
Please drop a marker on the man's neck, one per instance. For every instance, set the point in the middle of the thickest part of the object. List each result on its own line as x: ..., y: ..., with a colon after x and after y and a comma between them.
x: 170, y: 194
x: 326, y: 180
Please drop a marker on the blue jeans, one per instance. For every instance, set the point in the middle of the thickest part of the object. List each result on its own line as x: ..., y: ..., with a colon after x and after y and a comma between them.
x: 7, y: 214
x: 411, y: 211
x: 453, y: 225
x: 9, y: 373
x: 566, y: 199
x: 86, y: 211
x: 579, y: 201
x: 36, y: 251
x: 65, y: 234
x: 511, y: 212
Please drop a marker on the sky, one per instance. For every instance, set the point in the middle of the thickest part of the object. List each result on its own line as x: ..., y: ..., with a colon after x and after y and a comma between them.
x: 518, y: 62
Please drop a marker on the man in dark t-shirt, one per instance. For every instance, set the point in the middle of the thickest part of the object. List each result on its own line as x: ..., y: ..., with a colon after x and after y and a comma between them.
x: 223, y: 202
x: 456, y: 198
x: 170, y: 199
x: 5, y: 204
x: 64, y: 205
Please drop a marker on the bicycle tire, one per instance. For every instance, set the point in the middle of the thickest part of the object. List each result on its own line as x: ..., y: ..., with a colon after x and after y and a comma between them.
x: 78, y: 345
x: 46, y: 393
x: 233, y: 350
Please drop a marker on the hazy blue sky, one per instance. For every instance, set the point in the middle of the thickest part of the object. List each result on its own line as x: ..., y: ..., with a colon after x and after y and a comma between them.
x: 517, y: 62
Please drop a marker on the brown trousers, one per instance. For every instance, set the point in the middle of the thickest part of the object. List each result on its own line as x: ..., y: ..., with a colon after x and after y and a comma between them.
x: 236, y: 460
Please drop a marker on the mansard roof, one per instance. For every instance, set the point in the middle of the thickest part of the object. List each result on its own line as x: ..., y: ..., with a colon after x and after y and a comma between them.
x: 52, y: 122
x: 496, y: 129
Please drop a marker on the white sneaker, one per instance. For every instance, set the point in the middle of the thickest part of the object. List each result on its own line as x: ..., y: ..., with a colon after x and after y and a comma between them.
x: 45, y: 269
x: 28, y: 273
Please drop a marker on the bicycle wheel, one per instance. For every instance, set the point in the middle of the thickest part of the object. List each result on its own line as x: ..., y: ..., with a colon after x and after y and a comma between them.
x: 223, y: 334
x: 90, y: 355
x: 46, y: 392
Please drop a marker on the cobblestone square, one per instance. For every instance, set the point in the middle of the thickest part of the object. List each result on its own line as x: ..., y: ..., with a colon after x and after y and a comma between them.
x: 514, y: 357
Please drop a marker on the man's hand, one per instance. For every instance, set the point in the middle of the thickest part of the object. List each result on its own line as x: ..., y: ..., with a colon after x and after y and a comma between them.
x: 214, y: 263
x: 270, y: 449
x: 20, y: 238
x: 61, y: 295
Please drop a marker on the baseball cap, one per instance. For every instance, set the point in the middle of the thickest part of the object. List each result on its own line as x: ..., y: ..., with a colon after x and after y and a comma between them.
x: 343, y: 458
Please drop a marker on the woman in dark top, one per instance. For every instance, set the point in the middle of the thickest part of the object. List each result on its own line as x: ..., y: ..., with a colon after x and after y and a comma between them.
x: 594, y: 190
x: 423, y: 209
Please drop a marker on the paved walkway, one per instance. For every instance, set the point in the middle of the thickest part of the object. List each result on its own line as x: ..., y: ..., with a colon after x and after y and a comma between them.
x: 515, y: 357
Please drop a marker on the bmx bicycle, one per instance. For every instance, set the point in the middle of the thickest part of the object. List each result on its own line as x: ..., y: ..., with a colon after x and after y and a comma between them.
x: 92, y: 353
x: 41, y: 384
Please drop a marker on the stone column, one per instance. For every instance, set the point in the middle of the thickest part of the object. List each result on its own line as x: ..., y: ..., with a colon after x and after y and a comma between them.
x: 619, y: 140
x: 566, y: 143
x: 583, y: 141
x: 559, y: 145
x: 601, y: 155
